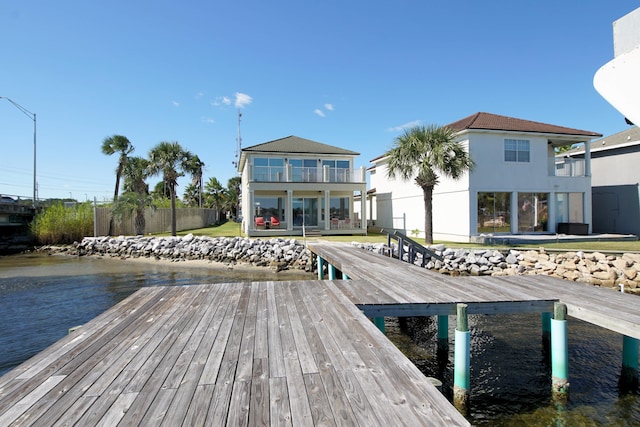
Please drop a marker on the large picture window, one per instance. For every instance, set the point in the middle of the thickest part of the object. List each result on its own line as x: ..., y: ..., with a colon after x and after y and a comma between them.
x: 268, y: 207
x: 516, y: 150
x: 532, y: 212
x: 268, y: 169
x: 494, y: 212
x: 569, y: 207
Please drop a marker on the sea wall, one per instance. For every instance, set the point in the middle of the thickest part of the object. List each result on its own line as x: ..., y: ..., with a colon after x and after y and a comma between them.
x: 279, y: 254
x: 595, y: 268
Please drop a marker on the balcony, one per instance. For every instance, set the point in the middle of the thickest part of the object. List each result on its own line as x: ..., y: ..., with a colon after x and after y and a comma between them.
x: 569, y: 167
x: 290, y: 173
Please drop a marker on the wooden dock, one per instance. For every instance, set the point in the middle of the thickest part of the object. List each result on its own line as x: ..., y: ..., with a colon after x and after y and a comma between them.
x: 388, y: 287
x: 270, y: 353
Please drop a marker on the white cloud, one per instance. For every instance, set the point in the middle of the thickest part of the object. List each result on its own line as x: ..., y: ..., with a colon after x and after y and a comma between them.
x: 199, y: 95
x: 221, y: 100
x: 329, y: 107
x: 175, y: 103
x: 242, y: 100
x: 318, y: 112
x: 407, y: 125
x: 208, y: 120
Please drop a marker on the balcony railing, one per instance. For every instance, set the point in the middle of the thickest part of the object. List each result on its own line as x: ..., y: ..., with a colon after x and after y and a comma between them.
x: 305, y: 174
x: 570, y: 167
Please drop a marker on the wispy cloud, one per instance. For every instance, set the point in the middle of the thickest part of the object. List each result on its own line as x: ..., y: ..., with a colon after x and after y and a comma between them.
x: 220, y: 101
x: 320, y: 112
x: 242, y: 100
x: 407, y: 125
x: 199, y: 95
x: 175, y: 103
x: 208, y: 120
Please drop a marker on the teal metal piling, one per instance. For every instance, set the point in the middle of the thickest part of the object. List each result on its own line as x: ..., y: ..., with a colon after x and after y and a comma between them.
x: 332, y: 272
x: 629, y: 373
x: 462, y: 359
x: 320, y: 268
x: 379, y: 322
x: 559, y: 352
x: 443, y: 331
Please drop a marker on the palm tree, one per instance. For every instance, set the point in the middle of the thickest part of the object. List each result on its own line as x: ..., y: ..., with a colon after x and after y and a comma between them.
x: 192, y: 196
x: 233, y: 194
x: 170, y: 160
x: 136, y: 197
x: 194, y: 168
x: 422, y: 153
x: 117, y: 144
x: 215, y: 195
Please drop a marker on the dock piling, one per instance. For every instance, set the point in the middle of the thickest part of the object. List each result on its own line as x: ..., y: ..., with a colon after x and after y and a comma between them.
x: 320, y: 268
x: 629, y: 374
x: 462, y: 365
x: 332, y: 272
x: 559, y: 352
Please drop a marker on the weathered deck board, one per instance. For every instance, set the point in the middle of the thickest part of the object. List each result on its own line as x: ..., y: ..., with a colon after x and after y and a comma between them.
x: 390, y: 287
x: 278, y: 353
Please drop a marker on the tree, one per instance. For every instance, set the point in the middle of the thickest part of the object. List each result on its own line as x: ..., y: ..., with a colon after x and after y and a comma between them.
x: 170, y: 160
x: 117, y: 144
x: 215, y: 195
x: 194, y: 168
x: 233, y: 195
x: 136, y: 197
x: 192, y: 196
x: 422, y: 153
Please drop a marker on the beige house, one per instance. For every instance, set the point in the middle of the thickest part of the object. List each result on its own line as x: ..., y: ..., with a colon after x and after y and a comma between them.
x: 295, y: 186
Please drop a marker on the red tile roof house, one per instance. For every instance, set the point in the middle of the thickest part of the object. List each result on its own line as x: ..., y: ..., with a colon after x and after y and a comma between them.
x: 515, y: 187
x: 295, y: 186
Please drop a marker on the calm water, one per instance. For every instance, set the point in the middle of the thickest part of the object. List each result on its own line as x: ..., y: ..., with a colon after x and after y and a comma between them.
x: 41, y: 297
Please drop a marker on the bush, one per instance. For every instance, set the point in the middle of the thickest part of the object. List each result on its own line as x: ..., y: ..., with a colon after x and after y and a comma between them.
x: 59, y: 224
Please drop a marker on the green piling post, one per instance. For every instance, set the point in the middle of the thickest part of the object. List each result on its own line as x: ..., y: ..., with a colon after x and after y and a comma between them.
x: 332, y: 272
x: 320, y: 268
x: 379, y: 322
x: 443, y: 331
x: 559, y: 352
x: 462, y: 361
x: 629, y: 374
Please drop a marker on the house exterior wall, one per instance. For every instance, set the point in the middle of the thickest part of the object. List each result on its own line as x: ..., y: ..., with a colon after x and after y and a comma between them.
x: 615, y: 191
x: 455, y: 202
x: 294, y: 186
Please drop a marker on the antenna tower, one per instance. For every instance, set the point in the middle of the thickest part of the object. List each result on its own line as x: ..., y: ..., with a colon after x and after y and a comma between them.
x: 238, y: 141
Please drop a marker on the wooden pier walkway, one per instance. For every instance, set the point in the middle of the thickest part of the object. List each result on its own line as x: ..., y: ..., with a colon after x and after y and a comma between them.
x: 254, y: 354
x: 388, y: 287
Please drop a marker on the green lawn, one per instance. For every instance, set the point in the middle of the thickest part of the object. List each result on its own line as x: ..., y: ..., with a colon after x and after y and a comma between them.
x: 232, y: 229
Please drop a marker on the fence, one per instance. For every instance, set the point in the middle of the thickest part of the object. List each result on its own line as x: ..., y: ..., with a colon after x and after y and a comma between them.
x: 157, y: 221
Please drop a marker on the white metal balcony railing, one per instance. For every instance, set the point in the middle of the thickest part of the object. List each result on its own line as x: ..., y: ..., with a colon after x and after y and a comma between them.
x: 306, y: 174
x: 570, y: 167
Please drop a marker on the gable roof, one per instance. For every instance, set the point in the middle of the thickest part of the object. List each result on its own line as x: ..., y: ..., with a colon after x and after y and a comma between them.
x: 296, y: 145
x: 488, y: 121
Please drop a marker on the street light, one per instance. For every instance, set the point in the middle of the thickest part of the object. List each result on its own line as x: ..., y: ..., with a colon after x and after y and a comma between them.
x: 32, y: 116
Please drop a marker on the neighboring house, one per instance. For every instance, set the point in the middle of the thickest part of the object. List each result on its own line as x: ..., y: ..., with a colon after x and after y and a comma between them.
x: 615, y: 179
x: 515, y: 187
x: 293, y: 185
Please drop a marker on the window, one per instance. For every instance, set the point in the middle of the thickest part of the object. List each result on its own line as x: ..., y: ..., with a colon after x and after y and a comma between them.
x: 339, y: 208
x: 268, y: 207
x: 494, y: 212
x: 569, y: 207
x: 304, y: 170
x: 516, y: 150
x: 269, y: 169
x: 532, y: 212
x: 338, y: 170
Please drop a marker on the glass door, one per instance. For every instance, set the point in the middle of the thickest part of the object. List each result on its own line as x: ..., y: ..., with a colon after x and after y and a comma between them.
x: 305, y: 212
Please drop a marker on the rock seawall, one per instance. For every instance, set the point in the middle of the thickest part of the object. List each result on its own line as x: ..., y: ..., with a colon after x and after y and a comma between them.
x: 279, y: 254
x: 593, y: 268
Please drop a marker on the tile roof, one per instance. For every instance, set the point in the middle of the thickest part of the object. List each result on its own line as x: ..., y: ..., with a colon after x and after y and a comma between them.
x: 296, y: 145
x: 496, y: 122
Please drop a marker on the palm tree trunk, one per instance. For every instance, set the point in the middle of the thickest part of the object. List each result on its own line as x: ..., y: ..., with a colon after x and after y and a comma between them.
x: 115, y: 196
x: 140, y: 222
x: 427, y: 193
x: 172, y: 194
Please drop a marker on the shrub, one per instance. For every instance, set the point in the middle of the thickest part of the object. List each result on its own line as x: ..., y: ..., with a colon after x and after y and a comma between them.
x: 59, y: 224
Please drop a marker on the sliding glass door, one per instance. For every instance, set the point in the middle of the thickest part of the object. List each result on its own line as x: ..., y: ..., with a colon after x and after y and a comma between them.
x: 305, y: 212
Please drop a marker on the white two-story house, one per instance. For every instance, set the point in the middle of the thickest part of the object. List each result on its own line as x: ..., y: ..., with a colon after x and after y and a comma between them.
x: 293, y: 185
x: 517, y: 185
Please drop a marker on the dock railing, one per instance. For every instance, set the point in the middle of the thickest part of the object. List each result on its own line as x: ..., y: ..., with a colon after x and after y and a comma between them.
x: 413, y: 248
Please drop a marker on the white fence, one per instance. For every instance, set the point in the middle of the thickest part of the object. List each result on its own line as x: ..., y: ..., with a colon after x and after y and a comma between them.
x: 157, y: 221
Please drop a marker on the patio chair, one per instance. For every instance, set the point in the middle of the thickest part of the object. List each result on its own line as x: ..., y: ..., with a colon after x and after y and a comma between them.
x: 275, y: 222
x: 347, y: 223
x: 335, y: 223
x: 259, y: 222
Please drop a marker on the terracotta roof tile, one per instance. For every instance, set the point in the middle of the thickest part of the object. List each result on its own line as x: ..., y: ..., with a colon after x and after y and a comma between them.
x: 496, y: 122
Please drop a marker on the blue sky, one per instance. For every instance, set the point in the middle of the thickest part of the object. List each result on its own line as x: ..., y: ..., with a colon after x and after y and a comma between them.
x: 346, y: 73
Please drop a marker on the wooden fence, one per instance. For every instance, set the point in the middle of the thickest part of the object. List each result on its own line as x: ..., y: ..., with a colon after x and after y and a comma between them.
x: 157, y: 221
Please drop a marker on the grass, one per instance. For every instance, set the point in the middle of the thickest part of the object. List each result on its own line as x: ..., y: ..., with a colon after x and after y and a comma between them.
x: 232, y: 229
